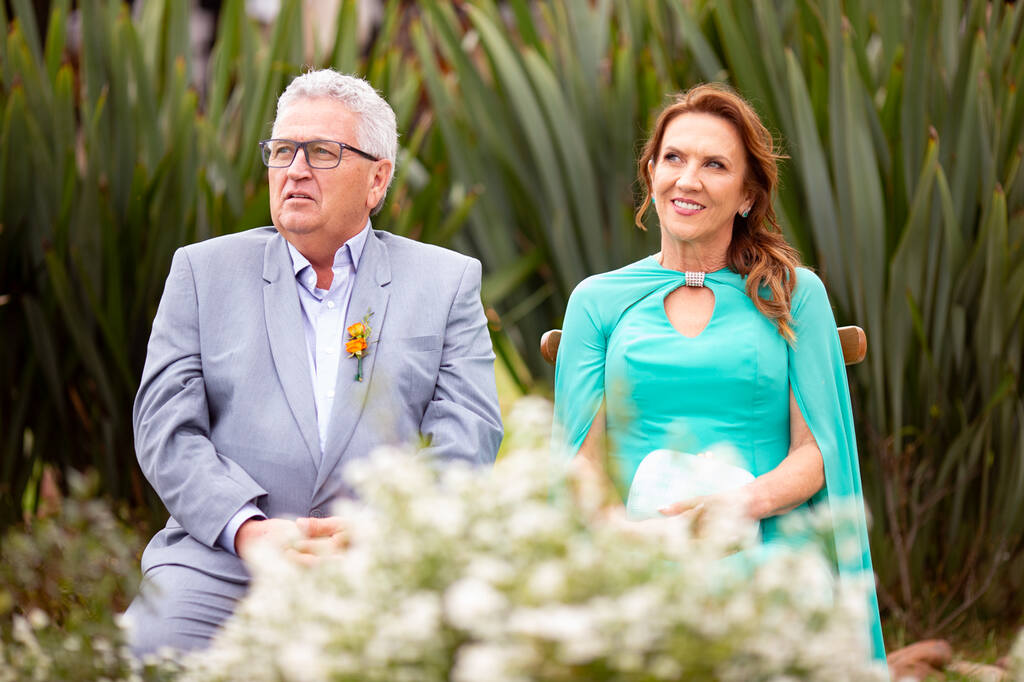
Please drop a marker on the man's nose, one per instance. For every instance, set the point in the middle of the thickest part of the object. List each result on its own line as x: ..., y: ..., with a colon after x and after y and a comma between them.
x: 299, y: 166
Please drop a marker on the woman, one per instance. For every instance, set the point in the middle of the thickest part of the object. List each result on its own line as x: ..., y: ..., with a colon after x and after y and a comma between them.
x: 720, y: 338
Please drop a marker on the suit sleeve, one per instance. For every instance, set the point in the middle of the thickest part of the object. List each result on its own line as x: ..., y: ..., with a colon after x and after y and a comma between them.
x: 201, y: 489
x: 462, y: 420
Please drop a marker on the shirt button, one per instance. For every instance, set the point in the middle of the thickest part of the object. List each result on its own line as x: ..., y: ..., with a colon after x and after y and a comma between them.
x: 317, y: 513
x: 330, y: 394
x: 330, y: 304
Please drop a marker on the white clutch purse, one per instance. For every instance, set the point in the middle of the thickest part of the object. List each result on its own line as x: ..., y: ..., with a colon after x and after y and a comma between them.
x: 667, y: 476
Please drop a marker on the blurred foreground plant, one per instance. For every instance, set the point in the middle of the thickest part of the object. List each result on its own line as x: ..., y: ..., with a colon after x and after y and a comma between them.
x: 465, y: 575
x: 63, y: 580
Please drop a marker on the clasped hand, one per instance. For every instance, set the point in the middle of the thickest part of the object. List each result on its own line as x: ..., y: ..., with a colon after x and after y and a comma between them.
x: 698, y: 508
x: 305, y: 540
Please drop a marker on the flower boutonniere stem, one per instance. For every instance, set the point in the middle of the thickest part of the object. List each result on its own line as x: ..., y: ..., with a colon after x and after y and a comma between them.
x: 358, y: 344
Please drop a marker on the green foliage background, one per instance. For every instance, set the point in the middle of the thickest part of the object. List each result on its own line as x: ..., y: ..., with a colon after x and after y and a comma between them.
x: 521, y: 125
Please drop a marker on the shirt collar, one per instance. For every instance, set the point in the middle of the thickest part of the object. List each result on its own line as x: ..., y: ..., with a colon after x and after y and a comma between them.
x: 349, y: 252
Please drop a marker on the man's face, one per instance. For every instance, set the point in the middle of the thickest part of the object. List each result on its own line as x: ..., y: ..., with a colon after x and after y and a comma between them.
x: 318, y: 210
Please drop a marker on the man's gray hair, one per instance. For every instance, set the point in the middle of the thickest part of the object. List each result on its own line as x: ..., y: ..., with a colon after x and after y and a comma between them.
x: 377, y: 133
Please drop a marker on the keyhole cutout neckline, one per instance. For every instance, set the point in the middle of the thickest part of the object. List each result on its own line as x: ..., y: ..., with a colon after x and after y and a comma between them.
x: 678, y: 300
x: 688, y: 330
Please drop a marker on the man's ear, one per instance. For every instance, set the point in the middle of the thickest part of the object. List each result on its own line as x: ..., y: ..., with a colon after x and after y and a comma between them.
x: 378, y: 183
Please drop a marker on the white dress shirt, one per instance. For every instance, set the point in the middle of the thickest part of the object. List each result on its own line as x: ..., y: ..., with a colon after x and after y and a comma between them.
x: 323, y: 323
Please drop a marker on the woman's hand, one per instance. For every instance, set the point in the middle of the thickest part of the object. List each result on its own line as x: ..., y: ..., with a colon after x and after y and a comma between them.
x: 698, y: 509
x: 696, y: 505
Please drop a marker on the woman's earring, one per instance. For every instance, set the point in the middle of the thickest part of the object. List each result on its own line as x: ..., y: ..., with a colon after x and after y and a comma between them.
x: 745, y: 213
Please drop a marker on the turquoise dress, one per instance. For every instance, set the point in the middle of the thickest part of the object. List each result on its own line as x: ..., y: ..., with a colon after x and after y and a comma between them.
x: 726, y: 388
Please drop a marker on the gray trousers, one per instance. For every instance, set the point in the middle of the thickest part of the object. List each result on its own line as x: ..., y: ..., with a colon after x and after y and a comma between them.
x: 180, y: 608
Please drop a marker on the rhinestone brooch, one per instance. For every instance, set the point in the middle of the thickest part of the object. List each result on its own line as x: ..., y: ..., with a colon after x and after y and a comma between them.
x: 694, y: 279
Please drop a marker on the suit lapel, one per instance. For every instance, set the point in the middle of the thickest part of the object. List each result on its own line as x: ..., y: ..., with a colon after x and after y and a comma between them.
x: 369, y: 294
x: 287, y: 341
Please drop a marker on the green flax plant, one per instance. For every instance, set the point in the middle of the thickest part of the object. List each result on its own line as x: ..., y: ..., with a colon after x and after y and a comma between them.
x: 98, y: 168
x: 540, y: 111
x: 903, y: 190
x: 111, y: 157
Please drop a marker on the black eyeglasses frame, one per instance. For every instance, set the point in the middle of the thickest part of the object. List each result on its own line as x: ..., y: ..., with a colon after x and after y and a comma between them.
x: 305, y: 150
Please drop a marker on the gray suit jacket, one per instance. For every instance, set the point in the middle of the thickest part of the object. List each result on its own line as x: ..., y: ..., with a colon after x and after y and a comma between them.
x: 225, y: 412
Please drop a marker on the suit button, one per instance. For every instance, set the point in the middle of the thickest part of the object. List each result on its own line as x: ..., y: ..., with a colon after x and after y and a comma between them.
x: 317, y: 513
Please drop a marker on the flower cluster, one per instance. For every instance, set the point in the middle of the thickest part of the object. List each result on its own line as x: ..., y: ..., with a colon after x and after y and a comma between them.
x: 457, y: 574
x: 358, y: 343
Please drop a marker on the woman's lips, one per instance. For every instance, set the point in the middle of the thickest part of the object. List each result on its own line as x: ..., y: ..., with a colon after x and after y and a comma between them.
x: 687, y: 207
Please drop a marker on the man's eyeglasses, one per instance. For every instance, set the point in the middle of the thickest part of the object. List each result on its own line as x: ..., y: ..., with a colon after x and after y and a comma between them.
x: 321, y: 154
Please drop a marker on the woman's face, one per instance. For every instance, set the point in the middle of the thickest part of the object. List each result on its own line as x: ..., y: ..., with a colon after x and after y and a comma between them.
x: 698, y: 177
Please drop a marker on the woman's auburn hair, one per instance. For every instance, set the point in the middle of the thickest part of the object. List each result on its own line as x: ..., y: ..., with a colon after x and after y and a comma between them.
x: 757, y: 250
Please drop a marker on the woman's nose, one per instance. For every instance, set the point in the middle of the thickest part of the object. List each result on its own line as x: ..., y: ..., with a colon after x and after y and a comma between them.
x: 688, y: 177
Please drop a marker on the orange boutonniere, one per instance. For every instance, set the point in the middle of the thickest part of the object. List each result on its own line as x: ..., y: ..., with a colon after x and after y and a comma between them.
x: 358, y: 344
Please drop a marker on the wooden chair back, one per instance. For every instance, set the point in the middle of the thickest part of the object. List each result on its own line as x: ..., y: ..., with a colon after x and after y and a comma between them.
x: 852, y: 339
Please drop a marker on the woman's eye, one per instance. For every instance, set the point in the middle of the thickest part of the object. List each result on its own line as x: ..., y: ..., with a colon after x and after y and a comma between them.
x: 715, y: 164
x: 671, y: 156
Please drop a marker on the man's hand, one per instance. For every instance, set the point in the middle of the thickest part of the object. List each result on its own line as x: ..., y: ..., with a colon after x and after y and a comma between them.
x: 321, y: 537
x: 303, y: 540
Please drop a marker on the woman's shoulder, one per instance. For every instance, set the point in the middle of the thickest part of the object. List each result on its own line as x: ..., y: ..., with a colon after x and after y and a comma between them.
x: 810, y: 297
x: 609, y: 291
x: 808, y: 284
x: 624, y: 278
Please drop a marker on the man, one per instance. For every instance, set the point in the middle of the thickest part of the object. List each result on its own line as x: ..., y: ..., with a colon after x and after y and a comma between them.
x: 258, y: 388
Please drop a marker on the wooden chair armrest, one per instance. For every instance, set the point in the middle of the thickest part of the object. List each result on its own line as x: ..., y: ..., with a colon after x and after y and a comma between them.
x: 855, y: 344
x: 549, y: 345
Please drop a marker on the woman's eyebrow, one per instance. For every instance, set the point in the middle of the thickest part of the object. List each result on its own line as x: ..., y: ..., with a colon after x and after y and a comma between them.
x: 705, y: 157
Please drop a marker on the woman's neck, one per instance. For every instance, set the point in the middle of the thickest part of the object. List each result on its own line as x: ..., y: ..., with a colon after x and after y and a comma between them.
x: 689, y: 258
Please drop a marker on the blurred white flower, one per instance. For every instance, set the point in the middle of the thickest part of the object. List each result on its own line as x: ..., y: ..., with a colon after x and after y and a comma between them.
x: 1017, y: 657
x: 534, y: 519
x: 491, y: 662
x: 490, y: 569
x: 445, y: 514
x: 528, y: 424
x: 38, y: 619
x: 570, y: 626
x: 548, y: 581
x: 474, y: 605
x: 403, y: 631
x: 302, y: 661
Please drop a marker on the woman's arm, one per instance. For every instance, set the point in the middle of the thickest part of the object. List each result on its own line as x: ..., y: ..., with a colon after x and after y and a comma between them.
x: 797, y: 477
x: 594, y: 486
